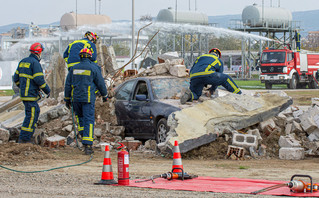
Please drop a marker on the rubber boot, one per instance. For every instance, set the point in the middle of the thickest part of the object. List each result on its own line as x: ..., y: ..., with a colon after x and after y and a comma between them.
x: 88, y: 150
x: 186, y: 97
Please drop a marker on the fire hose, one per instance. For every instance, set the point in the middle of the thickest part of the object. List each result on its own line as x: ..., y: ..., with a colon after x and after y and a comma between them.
x: 296, y: 186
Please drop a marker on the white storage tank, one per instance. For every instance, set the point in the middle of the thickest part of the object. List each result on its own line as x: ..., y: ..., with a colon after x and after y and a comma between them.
x: 71, y: 20
x: 171, y: 16
x: 256, y: 16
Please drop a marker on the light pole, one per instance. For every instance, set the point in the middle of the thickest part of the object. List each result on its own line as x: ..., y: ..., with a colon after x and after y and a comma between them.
x: 133, y: 33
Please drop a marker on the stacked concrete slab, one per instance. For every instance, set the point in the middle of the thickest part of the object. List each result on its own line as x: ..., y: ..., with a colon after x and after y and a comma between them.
x: 203, y: 123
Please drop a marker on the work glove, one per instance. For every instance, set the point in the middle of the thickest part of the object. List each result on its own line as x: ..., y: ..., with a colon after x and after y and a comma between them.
x: 68, y: 104
x: 105, y: 99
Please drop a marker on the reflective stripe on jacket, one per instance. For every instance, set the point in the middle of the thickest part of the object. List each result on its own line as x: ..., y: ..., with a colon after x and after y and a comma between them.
x: 206, y: 64
x: 82, y: 81
x: 29, y: 78
x: 71, y: 54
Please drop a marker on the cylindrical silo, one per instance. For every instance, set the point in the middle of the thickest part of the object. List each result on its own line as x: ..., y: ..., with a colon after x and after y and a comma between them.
x: 171, y: 16
x: 71, y: 20
x: 258, y: 16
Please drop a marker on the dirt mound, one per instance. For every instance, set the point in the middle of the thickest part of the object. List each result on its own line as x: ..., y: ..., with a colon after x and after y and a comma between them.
x: 213, y: 150
x: 13, y: 153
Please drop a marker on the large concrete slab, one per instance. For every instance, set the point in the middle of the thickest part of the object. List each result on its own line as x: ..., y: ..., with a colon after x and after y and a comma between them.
x: 203, y: 123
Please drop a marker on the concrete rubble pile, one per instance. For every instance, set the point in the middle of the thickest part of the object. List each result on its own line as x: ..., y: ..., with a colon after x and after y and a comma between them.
x: 253, y: 125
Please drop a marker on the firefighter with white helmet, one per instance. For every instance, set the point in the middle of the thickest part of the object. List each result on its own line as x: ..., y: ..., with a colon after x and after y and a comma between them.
x: 208, y: 70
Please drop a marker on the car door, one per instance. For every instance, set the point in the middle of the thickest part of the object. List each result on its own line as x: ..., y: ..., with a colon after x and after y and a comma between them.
x: 139, y: 110
x: 123, y: 96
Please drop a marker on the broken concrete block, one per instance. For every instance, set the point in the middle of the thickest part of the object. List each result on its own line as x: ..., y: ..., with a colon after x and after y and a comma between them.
x: 178, y: 70
x: 307, y: 123
x: 68, y: 128
x: 151, y: 145
x: 288, y: 141
x: 4, y: 135
x: 290, y: 119
x: 43, y: 118
x: 160, y: 68
x: 316, y: 120
x: 314, y: 136
x: 55, y: 141
x: 314, y: 101
x: 296, y: 127
x: 295, y: 153
x: 107, y: 126
x: 288, y: 129
x: 297, y: 114
x: 313, y: 146
x: 202, y: 123
x: 267, y: 126
x: 53, y: 113
x: 245, y: 140
x: 280, y: 120
x: 254, y: 132
x: 287, y: 112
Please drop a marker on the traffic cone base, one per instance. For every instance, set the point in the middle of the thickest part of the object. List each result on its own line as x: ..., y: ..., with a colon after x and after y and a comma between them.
x: 107, y: 173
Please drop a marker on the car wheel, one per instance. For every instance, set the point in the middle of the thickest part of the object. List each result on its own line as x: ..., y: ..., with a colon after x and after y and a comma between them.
x: 161, y: 130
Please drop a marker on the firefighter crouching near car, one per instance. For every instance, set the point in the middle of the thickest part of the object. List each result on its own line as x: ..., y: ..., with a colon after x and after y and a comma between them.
x: 71, y: 54
x: 208, y: 70
x: 81, y: 83
x: 29, y: 78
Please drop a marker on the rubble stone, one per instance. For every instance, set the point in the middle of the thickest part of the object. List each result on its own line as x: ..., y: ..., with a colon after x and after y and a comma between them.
x: 151, y: 145
x: 288, y: 141
x: 97, y: 132
x: 117, y: 130
x: 314, y: 136
x: 160, y: 68
x: 55, y: 141
x: 178, y: 70
x: 295, y: 153
x: 131, y: 144
x: 254, y: 132
x: 68, y: 128
x: 4, y: 135
x: 315, y: 101
x: 288, y: 129
x: 280, y: 120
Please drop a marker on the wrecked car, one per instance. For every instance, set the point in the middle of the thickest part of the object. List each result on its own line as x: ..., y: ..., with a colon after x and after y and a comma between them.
x: 143, y: 105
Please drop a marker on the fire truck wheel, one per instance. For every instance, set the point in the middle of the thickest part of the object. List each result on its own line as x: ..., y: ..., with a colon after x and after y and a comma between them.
x: 268, y: 85
x: 293, y: 82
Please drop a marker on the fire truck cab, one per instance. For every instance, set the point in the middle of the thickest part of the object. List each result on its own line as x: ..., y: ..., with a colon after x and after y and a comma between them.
x: 284, y: 66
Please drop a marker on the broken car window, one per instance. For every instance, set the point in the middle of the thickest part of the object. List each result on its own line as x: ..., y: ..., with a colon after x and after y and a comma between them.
x: 168, y: 88
x: 125, y: 91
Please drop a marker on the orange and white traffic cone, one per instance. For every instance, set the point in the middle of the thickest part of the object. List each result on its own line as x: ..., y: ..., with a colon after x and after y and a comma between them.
x: 177, y: 162
x: 177, y: 159
x: 107, y: 172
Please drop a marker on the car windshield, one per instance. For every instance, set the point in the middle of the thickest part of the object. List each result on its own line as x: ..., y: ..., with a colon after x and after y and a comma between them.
x: 168, y: 88
x: 273, y: 57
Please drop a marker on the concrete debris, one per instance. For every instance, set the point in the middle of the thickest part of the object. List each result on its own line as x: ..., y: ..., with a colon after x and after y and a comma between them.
x: 296, y: 153
x: 4, y: 135
x: 204, y: 122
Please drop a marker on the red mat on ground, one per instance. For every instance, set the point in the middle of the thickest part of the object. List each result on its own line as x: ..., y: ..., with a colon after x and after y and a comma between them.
x: 221, y: 185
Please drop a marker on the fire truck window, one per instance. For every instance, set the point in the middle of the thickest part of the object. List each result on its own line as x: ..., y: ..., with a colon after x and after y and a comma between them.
x: 289, y: 57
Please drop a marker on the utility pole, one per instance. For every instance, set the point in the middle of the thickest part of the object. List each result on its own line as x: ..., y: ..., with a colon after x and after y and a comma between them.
x: 99, y: 6
x: 195, y: 5
x: 133, y: 34
x: 95, y: 7
x: 176, y: 12
x: 189, y: 5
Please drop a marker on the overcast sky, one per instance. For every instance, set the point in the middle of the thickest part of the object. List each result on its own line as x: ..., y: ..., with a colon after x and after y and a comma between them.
x: 49, y: 11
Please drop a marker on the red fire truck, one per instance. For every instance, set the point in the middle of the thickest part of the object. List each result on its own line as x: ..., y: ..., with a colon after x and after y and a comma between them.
x: 284, y: 66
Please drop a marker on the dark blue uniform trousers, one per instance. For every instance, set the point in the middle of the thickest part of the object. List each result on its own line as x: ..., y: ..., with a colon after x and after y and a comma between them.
x: 215, y: 79
x: 32, y: 112
x: 85, y: 114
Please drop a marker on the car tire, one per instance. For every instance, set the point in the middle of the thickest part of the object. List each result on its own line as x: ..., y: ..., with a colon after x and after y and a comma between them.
x: 161, y: 130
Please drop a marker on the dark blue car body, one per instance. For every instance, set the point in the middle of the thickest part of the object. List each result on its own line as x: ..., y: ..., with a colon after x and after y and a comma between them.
x: 140, y: 108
